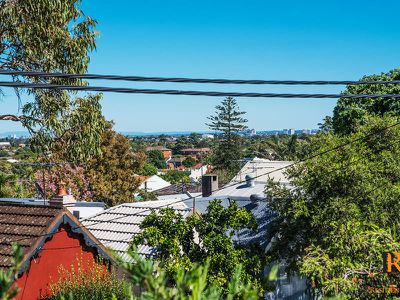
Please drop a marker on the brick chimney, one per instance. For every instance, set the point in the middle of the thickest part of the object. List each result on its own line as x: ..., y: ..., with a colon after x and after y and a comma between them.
x: 62, y: 196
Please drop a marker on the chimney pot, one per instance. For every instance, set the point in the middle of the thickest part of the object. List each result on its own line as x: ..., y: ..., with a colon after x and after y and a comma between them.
x: 62, y: 196
x: 61, y: 189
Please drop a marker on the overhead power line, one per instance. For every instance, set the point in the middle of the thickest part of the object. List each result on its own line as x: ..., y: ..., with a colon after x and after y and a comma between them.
x: 194, y: 80
x: 190, y: 93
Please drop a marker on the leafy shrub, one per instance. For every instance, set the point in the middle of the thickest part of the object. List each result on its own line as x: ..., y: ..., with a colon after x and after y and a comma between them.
x: 93, y: 283
x: 176, y: 176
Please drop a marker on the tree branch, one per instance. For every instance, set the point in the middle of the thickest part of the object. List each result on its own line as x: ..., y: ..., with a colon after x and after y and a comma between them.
x: 15, y: 118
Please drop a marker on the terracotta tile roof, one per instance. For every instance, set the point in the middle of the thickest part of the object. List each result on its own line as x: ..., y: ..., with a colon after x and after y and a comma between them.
x: 25, y: 224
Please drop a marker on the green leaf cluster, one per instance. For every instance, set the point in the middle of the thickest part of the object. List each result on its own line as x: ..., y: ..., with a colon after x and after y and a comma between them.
x: 180, y: 243
x: 349, y: 113
x: 176, y: 176
x: 228, y: 120
x: 156, y: 158
x: 340, y: 214
x: 7, y: 276
x: 190, y: 284
x: 53, y: 36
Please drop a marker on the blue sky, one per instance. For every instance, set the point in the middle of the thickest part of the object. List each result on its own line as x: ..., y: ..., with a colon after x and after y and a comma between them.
x: 299, y: 40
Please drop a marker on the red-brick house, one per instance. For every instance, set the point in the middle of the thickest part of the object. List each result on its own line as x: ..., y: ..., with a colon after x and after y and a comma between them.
x: 195, y: 151
x: 51, y: 237
x: 167, y: 153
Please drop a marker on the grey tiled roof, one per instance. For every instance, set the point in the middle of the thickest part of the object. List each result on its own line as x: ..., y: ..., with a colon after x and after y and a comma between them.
x: 264, y: 216
x: 261, y: 211
x: 116, y: 226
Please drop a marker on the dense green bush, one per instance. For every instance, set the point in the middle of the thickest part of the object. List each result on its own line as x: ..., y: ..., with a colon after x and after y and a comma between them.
x: 94, y: 283
x: 176, y: 176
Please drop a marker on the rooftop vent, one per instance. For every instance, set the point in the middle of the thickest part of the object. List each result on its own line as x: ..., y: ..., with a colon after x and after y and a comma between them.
x: 250, y: 180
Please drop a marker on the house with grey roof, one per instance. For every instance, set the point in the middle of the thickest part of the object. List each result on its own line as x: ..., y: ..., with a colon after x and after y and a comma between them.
x: 247, y: 188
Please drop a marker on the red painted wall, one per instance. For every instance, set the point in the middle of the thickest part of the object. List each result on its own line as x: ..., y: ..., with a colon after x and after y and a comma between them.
x: 63, y: 249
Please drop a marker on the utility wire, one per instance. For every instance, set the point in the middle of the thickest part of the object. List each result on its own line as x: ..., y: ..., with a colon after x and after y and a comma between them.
x: 193, y: 80
x: 233, y: 184
x: 190, y: 93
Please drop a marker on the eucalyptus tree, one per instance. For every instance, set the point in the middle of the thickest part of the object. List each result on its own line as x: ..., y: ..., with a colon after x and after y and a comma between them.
x: 52, y: 36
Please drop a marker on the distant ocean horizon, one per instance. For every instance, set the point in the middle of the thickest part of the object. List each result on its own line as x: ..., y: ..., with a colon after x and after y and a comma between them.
x: 25, y: 134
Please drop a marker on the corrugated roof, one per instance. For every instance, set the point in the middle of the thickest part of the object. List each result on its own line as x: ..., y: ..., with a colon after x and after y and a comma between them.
x: 258, y: 167
x: 116, y: 226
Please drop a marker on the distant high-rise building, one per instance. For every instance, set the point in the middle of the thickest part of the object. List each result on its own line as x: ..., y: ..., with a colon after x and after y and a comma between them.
x: 207, y: 136
x: 291, y: 131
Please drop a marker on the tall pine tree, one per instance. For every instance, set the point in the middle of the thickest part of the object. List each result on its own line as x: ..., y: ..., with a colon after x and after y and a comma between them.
x: 227, y: 119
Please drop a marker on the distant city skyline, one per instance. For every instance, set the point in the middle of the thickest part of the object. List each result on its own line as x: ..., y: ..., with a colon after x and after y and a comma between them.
x: 310, y: 40
x: 23, y: 134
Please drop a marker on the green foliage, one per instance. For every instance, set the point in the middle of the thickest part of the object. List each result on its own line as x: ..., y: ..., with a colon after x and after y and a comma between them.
x: 94, y: 283
x: 282, y: 147
x: 147, y: 280
x: 16, y: 179
x: 112, y: 175
x: 335, y: 225
x: 349, y: 113
x: 4, y: 153
x: 176, y: 176
x: 10, y: 187
x: 7, y: 277
x: 181, y: 243
x: 326, y: 125
x: 191, y: 284
x: 53, y: 36
x: 45, y: 35
x: 143, y: 195
x: 148, y: 170
x: 71, y: 128
x: 156, y: 158
x: 227, y: 119
x: 189, y: 162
